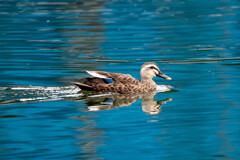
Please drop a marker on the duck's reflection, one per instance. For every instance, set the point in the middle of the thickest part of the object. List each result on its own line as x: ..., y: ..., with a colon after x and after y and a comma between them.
x: 110, y: 101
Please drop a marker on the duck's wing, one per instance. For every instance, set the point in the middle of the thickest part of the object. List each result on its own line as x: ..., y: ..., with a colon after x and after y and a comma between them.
x: 114, y: 77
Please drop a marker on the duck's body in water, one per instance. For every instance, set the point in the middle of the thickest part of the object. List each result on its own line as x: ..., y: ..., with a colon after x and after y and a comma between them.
x: 123, y: 83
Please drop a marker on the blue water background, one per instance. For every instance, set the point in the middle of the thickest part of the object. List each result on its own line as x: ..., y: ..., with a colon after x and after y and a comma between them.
x: 51, y: 43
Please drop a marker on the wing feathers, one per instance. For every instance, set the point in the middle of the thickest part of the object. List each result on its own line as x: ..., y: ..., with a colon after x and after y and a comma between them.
x: 118, y: 77
x: 98, y: 74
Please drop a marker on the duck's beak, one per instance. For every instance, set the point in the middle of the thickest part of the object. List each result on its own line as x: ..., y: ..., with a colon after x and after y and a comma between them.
x: 160, y: 74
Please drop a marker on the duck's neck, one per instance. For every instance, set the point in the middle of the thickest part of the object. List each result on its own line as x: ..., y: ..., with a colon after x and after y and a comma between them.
x: 148, y: 84
x: 147, y: 81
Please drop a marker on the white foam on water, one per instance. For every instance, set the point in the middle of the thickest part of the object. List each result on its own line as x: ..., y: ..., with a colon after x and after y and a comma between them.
x: 32, y: 99
x: 3, y: 88
x: 18, y: 94
x: 163, y: 88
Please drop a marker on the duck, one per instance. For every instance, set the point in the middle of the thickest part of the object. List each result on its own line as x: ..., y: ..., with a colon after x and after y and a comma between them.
x: 122, y: 83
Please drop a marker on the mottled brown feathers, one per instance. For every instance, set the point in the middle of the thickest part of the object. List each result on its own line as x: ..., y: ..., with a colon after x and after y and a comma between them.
x: 121, y: 83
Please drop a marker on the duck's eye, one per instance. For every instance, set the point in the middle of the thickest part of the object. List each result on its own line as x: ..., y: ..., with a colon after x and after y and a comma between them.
x: 152, y: 67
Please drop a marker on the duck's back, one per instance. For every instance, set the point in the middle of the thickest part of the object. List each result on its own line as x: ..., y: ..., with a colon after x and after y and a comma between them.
x: 116, y: 77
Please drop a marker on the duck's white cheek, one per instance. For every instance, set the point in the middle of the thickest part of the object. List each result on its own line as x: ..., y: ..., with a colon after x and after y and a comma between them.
x: 155, y: 73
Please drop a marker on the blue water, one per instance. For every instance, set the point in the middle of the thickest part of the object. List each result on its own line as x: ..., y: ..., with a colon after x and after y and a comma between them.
x: 45, y: 45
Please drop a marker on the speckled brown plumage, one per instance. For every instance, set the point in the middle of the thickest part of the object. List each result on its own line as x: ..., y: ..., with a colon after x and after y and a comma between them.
x: 122, y: 83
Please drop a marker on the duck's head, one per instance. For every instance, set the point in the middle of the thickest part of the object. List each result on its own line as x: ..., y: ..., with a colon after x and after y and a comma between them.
x: 150, y: 70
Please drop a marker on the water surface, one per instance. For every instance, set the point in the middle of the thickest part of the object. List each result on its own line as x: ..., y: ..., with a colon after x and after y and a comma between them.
x: 45, y: 45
